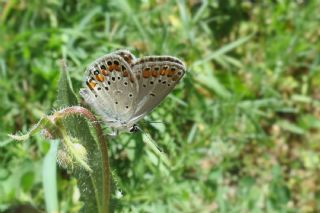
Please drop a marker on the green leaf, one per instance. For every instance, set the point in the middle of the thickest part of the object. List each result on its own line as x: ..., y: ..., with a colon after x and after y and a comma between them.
x: 209, y: 80
x: 27, y: 180
x: 223, y: 50
x: 90, y: 184
x: 291, y: 127
x: 65, y: 96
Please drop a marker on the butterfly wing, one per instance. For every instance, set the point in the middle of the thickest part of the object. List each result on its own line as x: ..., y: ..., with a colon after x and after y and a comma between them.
x: 110, y: 88
x: 126, y: 55
x: 156, y: 77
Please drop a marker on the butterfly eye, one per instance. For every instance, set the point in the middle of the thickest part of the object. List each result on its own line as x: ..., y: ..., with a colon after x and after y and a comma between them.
x: 96, y: 72
x: 103, y: 67
x: 109, y: 63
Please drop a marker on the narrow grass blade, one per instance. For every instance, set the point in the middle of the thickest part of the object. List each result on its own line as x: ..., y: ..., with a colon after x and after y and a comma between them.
x: 49, y: 178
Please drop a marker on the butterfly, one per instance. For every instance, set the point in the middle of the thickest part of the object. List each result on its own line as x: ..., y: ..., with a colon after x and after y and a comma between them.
x: 122, y: 89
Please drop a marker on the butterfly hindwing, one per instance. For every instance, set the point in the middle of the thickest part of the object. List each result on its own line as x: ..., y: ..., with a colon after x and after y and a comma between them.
x: 157, y: 76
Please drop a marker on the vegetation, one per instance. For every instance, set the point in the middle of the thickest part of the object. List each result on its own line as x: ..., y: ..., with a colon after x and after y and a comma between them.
x: 241, y: 130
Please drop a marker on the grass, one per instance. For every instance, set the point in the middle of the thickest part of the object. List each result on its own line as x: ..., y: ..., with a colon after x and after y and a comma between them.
x: 241, y: 130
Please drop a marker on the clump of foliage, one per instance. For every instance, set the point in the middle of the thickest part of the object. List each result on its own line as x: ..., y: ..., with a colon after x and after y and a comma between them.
x: 80, y: 153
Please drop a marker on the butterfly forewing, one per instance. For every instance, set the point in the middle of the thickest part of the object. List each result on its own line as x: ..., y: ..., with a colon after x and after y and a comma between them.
x: 110, y: 88
x: 127, y: 56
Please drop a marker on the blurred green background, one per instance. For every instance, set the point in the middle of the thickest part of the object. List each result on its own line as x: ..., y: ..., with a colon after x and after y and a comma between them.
x: 241, y: 129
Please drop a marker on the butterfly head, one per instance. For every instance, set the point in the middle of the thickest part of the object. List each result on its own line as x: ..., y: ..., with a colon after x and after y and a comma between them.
x: 133, y: 129
x: 125, y: 127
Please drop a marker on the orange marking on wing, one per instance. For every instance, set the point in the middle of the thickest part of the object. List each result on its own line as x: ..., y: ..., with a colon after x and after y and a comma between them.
x: 91, y: 84
x: 127, y: 59
x: 100, y: 77
x: 116, y: 67
x: 146, y: 73
x: 111, y: 68
x: 155, y: 73
x: 104, y: 72
x: 125, y: 74
x: 162, y: 71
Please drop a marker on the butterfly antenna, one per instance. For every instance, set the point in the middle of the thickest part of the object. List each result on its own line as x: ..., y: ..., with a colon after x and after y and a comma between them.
x: 97, y: 121
x: 152, y: 144
x: 156, y: 122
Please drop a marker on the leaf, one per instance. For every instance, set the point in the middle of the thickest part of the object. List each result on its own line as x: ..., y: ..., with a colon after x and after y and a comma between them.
x: 65, y: 96
x: 90, y: 184
x: 208, y: 79
x: 291, y: 127
x: 223, y: 50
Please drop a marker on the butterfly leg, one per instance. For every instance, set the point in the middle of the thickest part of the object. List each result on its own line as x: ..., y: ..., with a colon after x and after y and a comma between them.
x: 114, y: 132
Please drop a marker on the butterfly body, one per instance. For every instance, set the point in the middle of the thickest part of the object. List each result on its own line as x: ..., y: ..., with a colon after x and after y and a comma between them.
x: 123, y: 89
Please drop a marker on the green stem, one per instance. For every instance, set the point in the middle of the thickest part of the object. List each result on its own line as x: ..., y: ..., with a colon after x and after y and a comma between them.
x: 45, y: 122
